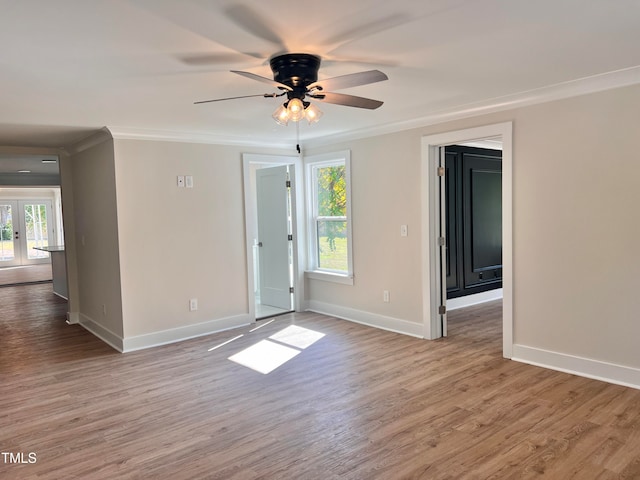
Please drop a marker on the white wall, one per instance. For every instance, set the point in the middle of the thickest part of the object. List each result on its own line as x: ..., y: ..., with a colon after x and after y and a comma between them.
x: 68, y: 213
x: 576, y: 175
x: 575, y: 184
x: 180, y: 243
x: 95, y: 247
x: 385, y: 189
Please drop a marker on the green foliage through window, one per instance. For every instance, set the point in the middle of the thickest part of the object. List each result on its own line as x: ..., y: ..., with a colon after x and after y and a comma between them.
x: 330, y: 190
x: 332, y: 202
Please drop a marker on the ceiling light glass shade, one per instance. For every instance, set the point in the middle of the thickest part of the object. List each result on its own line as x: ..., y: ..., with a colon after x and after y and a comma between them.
x: 296, y: 109
x: 281, y: 115
x: 312, y: 114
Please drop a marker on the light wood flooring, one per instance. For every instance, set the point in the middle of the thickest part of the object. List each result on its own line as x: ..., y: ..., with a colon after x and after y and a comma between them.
x: 359, y: 403
x: 25, y: 274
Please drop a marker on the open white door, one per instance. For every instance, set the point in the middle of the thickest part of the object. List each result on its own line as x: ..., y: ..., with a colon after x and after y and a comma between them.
x: 274, y: 252
x: 442, y: 243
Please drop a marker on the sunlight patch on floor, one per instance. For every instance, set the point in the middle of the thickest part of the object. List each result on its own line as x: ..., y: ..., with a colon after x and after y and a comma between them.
x: 264, y: 356
x: 267, y: 355
x: 296, y: 336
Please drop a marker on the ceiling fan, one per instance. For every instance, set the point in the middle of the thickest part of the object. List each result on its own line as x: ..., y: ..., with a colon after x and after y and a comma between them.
x: 296, y: 76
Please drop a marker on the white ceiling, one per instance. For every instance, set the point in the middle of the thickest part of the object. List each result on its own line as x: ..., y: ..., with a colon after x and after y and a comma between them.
x: 70, y: 67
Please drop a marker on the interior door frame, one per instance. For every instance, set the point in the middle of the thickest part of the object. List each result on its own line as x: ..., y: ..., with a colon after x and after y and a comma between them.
x: 432, y: 284
x: 297, y: 219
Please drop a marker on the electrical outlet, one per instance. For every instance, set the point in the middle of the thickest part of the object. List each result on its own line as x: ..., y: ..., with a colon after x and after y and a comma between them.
x: 193, y: 304
x: 385, y: 296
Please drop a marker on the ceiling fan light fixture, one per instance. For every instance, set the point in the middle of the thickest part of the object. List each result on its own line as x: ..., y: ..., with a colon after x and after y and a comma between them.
x: 312, y: 114
x: 281, y: 115
x: 296, y: 109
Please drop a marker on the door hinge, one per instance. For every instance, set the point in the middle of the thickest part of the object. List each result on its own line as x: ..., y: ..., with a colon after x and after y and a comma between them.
x: 290, y: 289
x: 442, y: 309
x: 441, y: 171
x: 288, y: 183
x: 290, y: 237
x: 441, y: 241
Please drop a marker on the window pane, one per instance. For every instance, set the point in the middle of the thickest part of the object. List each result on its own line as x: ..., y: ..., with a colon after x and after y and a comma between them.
x: 332, y: 245
x: 35, y: 217
x: 332, y: 191
x: 6, y: 233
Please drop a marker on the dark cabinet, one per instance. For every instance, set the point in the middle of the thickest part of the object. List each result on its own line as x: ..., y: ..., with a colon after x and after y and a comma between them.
x: 473, y: 180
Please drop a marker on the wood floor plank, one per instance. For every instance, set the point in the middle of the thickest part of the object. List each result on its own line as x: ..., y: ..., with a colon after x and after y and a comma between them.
x: 359, y: 403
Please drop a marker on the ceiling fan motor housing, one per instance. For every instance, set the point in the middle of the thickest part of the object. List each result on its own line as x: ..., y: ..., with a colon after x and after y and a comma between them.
x: 296, y: 70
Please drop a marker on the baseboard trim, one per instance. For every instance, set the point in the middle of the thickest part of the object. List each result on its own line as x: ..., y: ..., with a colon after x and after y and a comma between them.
x: 104, y: 334
x: 583, y: 367
x: 179, y: 334
x: 73, y: 318
x: 383, y: 322
x: 475, y: 299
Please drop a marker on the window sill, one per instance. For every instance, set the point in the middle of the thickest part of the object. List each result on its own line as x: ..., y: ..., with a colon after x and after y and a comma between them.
x: 330, y: 277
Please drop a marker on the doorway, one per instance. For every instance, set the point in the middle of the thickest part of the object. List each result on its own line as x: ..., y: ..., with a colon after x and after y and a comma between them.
x: 25, y: 226
x: 273, y: 256
x: 434, y: 226
x: 272, y: 227
x: 473, y: 235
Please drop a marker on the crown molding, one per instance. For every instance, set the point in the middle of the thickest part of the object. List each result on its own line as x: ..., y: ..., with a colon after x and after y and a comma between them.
x: 559, y: 91
x: 573, y: 88
x: 86, y: 143
x: 126, y: 133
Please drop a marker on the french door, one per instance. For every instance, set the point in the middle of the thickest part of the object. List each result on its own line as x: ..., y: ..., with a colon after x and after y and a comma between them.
x: 24, y: 225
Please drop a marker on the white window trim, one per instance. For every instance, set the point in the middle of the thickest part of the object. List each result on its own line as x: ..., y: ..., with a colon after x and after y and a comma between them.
x: 312, y: 271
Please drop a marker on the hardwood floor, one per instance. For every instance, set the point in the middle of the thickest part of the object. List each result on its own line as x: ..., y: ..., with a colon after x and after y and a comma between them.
x: 359, y: 403
x: 25, y: 274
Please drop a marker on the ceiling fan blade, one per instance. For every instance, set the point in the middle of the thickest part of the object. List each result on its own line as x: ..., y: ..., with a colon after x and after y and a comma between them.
x: 350, y: 80
x: 348, y: 100
x: 351, y: 32
x: 265, y: 95
x: 254, y: 23
x: 262, y: 79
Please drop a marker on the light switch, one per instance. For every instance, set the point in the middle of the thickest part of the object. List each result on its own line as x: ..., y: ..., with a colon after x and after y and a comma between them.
x: 404, y: 231
x: 188, y: 180
x: 180, y: 180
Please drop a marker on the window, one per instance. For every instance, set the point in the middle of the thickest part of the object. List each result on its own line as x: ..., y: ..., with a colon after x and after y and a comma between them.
x: 329, y: 217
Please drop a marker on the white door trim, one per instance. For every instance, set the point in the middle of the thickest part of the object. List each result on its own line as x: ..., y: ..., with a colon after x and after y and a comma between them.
x: 431, y: 284
x: 297, y: 221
